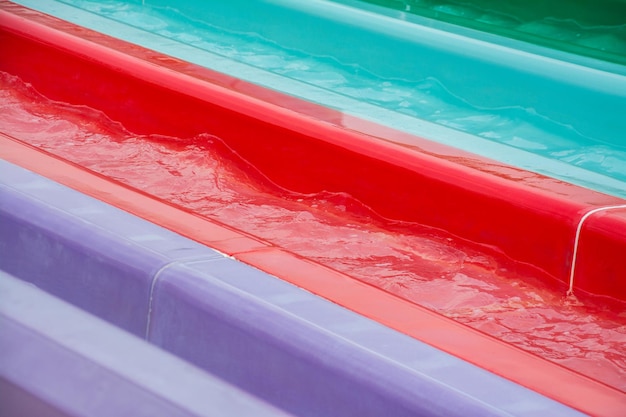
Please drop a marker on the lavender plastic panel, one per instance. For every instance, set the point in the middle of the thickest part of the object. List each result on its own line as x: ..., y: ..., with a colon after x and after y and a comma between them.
x: 301, y: 353
x: 312, y: 357
x: 60, y: 361
x: 89, y: 253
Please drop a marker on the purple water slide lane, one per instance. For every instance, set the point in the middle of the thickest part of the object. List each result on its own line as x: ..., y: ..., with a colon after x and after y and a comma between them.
x: 283, y: 344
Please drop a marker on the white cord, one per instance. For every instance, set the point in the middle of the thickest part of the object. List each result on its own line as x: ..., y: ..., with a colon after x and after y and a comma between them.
x: 570, y: 291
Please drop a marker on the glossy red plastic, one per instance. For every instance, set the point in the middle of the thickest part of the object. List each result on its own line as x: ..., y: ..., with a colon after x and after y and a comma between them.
x: 532, y: 219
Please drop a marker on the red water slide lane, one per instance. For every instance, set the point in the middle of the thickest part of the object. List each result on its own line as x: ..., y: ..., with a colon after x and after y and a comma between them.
x: 531, y: 218
x: 309, y: 151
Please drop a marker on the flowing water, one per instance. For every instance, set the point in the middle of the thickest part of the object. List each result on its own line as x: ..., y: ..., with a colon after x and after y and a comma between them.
x: 468, y: 283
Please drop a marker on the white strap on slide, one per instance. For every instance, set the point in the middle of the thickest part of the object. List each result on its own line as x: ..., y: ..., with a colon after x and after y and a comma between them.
x: 570, y: 291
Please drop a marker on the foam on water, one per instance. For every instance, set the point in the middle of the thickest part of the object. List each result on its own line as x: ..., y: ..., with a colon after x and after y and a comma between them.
x: 474, y: 285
